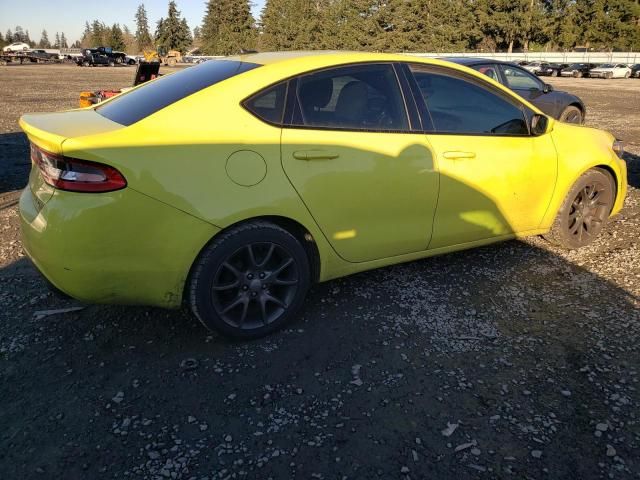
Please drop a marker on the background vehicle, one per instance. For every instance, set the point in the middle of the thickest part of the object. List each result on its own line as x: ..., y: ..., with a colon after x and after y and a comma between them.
x: 564, y: 106
x: 578, y: 70
x: 635, y: 70
x: 238, y: 214
x: 551, y: 69
x: 38, y: 55
x: 166, y: 57
x: 535, y: 67
x: 611, y: 70
x: 16, y: 47
x: 100, y: 56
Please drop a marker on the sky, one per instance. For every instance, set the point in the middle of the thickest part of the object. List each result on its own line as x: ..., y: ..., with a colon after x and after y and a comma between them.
x: 69, y: 16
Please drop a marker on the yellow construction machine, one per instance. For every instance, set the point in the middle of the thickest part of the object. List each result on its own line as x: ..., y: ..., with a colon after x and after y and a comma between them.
x: 163, y: 56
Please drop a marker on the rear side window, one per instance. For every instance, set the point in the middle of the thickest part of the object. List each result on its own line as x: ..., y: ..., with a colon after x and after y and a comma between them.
x: 362, y: 97
x: 268, y: 105
x: 137, y: 104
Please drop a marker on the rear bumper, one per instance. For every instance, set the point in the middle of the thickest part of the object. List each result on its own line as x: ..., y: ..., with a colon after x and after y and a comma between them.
x: 119, y: 247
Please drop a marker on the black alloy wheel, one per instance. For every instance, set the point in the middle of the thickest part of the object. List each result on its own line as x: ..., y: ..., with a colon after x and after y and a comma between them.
x: 585, y: 210
x: 250, y: 281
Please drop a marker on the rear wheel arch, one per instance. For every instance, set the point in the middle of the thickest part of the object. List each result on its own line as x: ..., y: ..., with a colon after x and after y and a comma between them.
x: 295, y: 228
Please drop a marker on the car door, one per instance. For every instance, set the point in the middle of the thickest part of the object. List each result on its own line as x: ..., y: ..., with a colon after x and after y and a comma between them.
x: 529, y: 87
x: 495, y: 178
x: 360, y: 166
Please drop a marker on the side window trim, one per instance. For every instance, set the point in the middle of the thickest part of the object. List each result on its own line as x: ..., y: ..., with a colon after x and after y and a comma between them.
x: 477, y: 81
x: 408, y: 94
x: 292, y: 105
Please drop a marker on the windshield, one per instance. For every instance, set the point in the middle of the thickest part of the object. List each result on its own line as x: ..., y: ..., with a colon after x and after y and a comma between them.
x: 575, y: 66
x: 131, y: 107
x: 606, y: 65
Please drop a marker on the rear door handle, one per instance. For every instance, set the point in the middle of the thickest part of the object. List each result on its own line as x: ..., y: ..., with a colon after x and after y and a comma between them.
x: 455, y: 155
x: 315, y: 155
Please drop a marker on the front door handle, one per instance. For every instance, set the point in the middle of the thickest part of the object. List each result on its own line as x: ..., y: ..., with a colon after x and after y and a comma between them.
x: 315, y: 155
x: 458, y: 155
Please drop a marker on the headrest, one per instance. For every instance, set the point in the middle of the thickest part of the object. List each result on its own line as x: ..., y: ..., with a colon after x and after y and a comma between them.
x: 317, y: 93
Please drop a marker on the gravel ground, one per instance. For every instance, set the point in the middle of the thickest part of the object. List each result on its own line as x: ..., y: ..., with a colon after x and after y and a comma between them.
x: 517, y: 360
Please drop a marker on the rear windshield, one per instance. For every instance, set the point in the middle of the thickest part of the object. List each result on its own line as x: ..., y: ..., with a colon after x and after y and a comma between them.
x: 130, y: 107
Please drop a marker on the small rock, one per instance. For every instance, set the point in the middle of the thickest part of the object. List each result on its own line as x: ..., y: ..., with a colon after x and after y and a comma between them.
x: 118, y: 398
x: 536, y: 453
x: 611, y: 452
x: 451, y: 427
x: 566, y: 393
x: 404, y: 470
x: 228, y: 438
x: 602, y: 427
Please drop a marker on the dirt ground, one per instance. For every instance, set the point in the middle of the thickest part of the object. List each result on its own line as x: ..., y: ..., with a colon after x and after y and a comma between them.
x: 517, y: 360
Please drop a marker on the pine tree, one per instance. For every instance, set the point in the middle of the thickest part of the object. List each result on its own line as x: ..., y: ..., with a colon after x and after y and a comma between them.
x: 294, y: 25
x: 57, y: 42
x: 63, y: 41
x: 116, y: 38
x: 173, y: 33
x: 227, y: 27
x: 44, y: 40
x: 99, y: 32
x: 2, y: 42
x: 143, y: 37
x: 18, y: 35
x: 130, y: 42
x: 9, y: 36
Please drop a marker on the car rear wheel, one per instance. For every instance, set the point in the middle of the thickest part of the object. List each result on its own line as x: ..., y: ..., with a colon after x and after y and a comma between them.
x: 577, y: 74
x: 554, y: 73
x: 627, y: 75
x: 250, y: 281
x: 608, y: 75
x: 571, y: 114
x: 584, y: 211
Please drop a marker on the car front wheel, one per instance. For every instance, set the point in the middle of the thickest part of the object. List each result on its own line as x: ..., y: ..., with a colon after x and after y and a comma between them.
x: 584, y: 211
x: 571, y: 114
x: 250, y: 281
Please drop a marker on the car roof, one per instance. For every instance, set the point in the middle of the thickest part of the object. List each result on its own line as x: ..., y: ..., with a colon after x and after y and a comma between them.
x: 468, y: 61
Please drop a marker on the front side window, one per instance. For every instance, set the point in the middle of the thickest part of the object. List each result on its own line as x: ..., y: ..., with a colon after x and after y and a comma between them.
x: 362, y: 97
x: 520, y: 80
x: 462, y: 106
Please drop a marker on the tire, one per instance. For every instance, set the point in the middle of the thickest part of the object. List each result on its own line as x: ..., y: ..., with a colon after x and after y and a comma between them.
x: 554, y: 73
x: 608, y: 75
x: 571, y: 114
x: 592, y: 193
x: 577, y: 74
x: 250, y: 281
x: 627, y: 75
x: 111, y: 63
x: 171, y: 62
x: 118, y: 60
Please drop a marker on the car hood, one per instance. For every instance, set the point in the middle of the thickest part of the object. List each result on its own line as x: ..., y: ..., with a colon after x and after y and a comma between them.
x: 602, y: 69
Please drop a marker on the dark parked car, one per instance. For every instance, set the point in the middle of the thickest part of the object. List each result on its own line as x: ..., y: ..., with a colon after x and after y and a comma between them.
x: 41, y: 55
x: 635, y: 70
x: 578, y: 70
x: 101, y: 56
x: 561, y: 105
x: 551, y: 69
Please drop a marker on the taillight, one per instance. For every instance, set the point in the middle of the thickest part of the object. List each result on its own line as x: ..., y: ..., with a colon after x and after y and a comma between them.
x: 76, y: 175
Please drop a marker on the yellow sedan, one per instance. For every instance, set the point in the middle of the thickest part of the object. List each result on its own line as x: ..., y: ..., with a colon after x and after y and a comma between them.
x: 234, y: 185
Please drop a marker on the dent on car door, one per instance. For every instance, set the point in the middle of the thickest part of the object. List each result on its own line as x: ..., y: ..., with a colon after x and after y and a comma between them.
x: 495, y: 179
x: 365, y: 174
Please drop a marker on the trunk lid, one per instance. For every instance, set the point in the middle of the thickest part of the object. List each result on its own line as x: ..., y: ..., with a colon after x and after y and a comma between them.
x: 49, y: 132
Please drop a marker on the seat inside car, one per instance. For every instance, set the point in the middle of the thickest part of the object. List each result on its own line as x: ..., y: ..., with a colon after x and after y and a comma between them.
x: 314, y: 96
x: 351, y: 107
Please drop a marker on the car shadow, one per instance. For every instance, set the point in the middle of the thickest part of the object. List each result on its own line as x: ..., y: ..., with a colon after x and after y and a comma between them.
x: 14, y: 161
x: 633, y: 169
x: 489, y: 340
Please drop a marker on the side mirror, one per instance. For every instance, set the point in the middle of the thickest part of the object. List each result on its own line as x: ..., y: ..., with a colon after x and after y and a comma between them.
x: 547, y: 88
x: 539, y: 124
